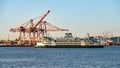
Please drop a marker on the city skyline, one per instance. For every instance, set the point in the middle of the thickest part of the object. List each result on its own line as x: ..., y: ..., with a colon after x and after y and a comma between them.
x: 80, y: 17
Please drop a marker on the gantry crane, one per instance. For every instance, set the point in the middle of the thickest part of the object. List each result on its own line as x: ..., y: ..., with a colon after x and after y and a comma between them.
x: 33, y: 32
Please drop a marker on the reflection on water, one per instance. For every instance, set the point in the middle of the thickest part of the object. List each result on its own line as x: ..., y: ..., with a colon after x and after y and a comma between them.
x: 28, y: 57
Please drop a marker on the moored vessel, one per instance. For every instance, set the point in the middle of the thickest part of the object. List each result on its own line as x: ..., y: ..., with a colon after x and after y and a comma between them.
x: 108, y: 42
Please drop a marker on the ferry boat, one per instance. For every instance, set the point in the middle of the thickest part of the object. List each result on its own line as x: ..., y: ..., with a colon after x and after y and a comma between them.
x: 81, y: 44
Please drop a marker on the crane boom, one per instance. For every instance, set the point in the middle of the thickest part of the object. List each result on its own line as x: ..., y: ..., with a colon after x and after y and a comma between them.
x: 41, y: 19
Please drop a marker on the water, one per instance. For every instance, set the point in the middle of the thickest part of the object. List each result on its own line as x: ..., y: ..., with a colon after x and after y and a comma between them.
x: 28, y: 57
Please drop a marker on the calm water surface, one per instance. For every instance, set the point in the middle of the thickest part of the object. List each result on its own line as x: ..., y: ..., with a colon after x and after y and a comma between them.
x: 28, y: 57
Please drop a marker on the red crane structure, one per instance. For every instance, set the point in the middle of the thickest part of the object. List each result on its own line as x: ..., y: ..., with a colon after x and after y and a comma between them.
x: 33, y: 32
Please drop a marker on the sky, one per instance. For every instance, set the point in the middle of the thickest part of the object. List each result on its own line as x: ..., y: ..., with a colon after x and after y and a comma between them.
x: 79, y: 16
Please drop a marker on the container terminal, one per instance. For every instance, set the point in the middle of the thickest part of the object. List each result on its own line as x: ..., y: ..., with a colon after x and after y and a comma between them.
x: 35, y: 34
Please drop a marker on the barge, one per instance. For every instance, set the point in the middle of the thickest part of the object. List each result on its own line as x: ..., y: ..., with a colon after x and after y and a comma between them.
x: 16, y: 45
